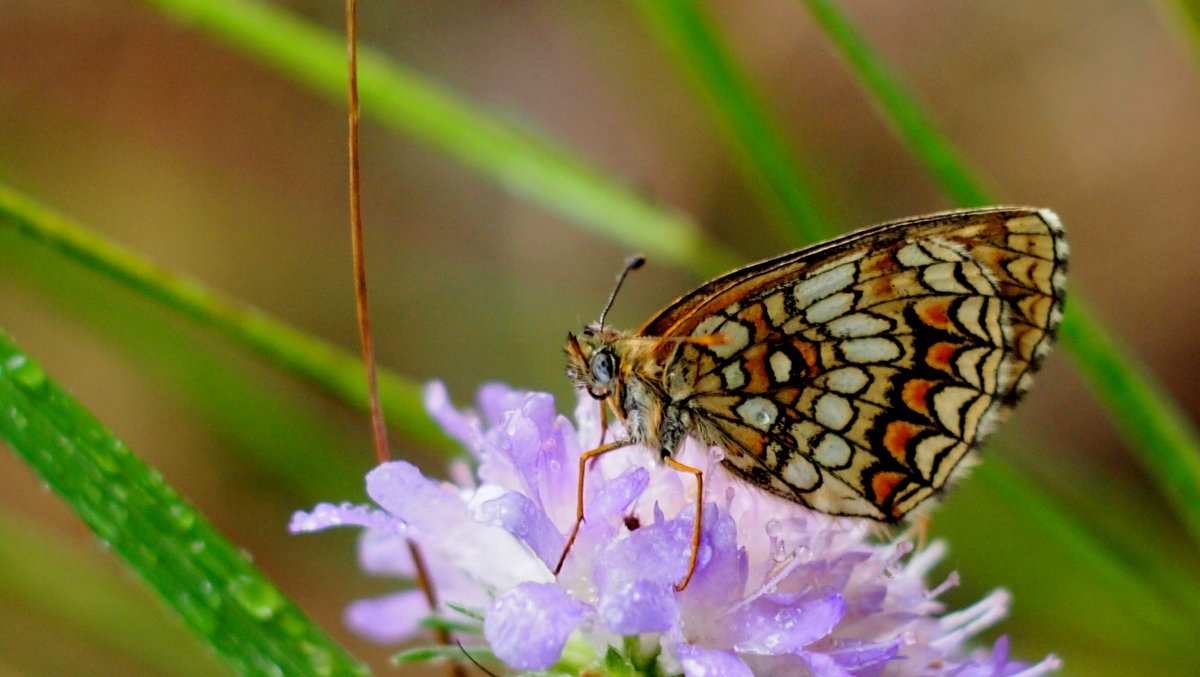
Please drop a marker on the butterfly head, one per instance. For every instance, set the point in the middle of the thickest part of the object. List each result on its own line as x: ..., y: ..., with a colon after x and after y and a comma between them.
x: 593, y: 360
x: 592, y: 357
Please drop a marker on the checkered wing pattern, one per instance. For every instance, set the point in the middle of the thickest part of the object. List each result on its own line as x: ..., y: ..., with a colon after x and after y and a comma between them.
x: 856, y: 376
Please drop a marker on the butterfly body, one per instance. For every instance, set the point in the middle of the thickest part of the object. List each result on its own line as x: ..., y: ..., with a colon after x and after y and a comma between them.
x: 855, y: 376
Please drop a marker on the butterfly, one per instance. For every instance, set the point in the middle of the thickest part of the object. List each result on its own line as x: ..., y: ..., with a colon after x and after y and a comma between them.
x: 855, y: 376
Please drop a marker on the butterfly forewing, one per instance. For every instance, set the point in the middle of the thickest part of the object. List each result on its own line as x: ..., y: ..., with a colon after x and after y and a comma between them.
x: 855, y: 376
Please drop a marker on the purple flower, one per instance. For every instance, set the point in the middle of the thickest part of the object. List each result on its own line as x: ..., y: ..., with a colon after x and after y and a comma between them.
x: 778, y: 589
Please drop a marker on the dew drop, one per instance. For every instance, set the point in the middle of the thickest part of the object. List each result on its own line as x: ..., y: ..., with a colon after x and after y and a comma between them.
x: 182, y: 516
x: 25, y: 373
x: 259, y: 598
x: 319, y: 658
x: 18, y: 419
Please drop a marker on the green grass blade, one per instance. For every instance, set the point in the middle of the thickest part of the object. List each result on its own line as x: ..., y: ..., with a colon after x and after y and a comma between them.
x: 1148, y: 419
x: 1159, y: 599
x: 899, y: 108
x: 686, y: 33
x: 219, y: 594
x: 337, y: 371
x: 517, y: 159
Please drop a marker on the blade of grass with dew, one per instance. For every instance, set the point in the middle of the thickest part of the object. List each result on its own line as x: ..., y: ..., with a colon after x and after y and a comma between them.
x: 1145, y: 414
x: 515, y: 158
x: 59, y: 583
x: 686, y: 32
x: 682, y: 25
x: 213, y: 587
x: 337, y: 371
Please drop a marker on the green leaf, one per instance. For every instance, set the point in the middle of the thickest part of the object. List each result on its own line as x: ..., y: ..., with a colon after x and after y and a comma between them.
x: 1145, y: 414
x: 517, y: 159
x: 335, y: 370
x: 447, y: 652
x: 686, y: 32
x: 219, y: 594
x: 440, y: 623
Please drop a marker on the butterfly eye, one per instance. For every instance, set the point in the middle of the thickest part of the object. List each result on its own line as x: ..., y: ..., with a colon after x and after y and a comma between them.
x: 603, y: 367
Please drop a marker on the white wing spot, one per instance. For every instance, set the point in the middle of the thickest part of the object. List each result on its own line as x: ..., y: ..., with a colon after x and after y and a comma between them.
x: 708, y: 326
x: 858, y: 324
x: 833, y: 411
x: 867, y: 350
x: 940, y: 277
x: 846, y: 380
x: 832, y: 452
x: 800, y: 473
x: 734, y: 376
x: 950, y: 404
x: 781, y: 367
x: 829, y: 307
x: 912, y: 256
x: 928, y: 450
x: 819, y: 286
x: 758, y: 412
x: 776, y: 308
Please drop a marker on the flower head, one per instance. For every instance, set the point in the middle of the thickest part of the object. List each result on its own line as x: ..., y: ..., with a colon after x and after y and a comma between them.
x: 778, y: 589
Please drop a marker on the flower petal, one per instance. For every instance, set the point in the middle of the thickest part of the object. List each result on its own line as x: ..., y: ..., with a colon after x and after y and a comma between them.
x: 775, y: 624
x: 402, y: 490
x: 462, y: 427
x: 496, y: 400
x: 616, y: 495
x: 528, y: 626
x: 634, y: 607
x: 518, y: 515
x: 823, y: 665
x: 699, y: 662
x: 325, y: 515
x: 385, y: 554
x: 390, y: 619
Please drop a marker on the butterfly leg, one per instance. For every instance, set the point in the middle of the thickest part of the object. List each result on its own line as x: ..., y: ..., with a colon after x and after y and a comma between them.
x: 699, y: 475
x: 583, y: 460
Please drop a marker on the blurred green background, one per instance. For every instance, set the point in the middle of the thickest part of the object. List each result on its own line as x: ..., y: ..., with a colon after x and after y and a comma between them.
x: 216, y: 166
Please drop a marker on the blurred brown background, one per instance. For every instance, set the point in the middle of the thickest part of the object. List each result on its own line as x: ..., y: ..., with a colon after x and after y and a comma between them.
x: 214, y: 166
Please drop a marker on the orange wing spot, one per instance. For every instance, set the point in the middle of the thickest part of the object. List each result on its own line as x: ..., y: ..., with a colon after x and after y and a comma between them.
x: 940, y: 354
x: 884, y: 483
x: 915, y: 394
x: 787, y: 396
x: 881, y: 287
x: 936, y: 315
x: 810, y: 354
x: 755, y: 316
x: 882, y: 263
x: 756, y: 368
x: 897, y: 436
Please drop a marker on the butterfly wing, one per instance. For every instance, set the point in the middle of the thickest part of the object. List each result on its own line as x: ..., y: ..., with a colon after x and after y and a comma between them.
x: 857, y: 375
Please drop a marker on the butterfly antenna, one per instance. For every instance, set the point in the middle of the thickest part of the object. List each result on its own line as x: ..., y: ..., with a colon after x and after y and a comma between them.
x: 631, y: 264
